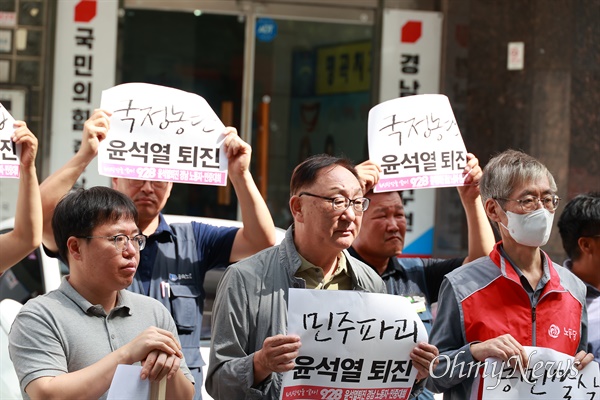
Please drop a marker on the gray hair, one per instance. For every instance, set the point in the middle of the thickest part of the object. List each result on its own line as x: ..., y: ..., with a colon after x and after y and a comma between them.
x: 508, y: 170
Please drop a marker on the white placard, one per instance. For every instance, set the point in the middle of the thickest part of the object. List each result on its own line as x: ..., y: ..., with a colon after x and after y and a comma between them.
x: 85, y: 63
x: 10, y: 154
x: 163, y: 134
x: 549, y: 375
x: 417, y: 143
x: 354, y: 345
x: 127, y: 384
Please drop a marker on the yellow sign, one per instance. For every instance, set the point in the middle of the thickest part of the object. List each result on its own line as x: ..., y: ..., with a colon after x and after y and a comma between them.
x: 344, y: 68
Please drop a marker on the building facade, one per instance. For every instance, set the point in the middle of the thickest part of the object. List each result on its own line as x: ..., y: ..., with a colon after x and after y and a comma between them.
x: 299, y: 77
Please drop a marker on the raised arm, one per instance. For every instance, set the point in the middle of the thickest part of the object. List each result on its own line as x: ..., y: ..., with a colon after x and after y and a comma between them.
x: 60, y: 182
x: 27, y: 233
x: 258, y: 231
x: 481, y: 235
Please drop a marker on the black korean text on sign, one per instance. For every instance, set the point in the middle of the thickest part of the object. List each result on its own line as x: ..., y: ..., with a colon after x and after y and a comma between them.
x: 8, y: 150
x: 83, y: 70
x: 340, y: 326
x: 342, y: 370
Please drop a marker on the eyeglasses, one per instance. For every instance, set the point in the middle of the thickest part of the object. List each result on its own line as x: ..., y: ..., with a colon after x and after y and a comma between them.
x: 341, y: 203
x: 529, y: 203
x: 137, y: 183
x: 122, y: 240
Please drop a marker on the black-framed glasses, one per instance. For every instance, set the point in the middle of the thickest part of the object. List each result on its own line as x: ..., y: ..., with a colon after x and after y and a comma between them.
x: 529, y: 203
x: 341, y: 203
x: 138, y: 183
x: 122, y: 240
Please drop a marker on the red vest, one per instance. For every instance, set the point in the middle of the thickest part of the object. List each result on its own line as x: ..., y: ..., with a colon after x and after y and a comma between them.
x: 555, y: 322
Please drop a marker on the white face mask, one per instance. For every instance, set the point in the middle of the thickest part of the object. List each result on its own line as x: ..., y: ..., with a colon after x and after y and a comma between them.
x: 531, y: 229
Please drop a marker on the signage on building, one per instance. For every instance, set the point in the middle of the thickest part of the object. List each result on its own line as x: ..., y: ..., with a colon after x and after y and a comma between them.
x: 266, y: 29
x: 516, y: 56
x: 410, y: 64
x: 85, y: 64
x: 344, y: 68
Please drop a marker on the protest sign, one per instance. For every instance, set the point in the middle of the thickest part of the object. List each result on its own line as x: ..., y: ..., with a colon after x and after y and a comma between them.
x: 162, y: 134
x: 10, y: 154
x: 417, y: 142
x: 549, y: 374
x: 355, y: 345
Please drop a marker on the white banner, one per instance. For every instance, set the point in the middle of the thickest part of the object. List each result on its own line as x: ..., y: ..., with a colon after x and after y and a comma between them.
x: 410, y: 64
x: 10, y: 154
x: 417, y: 143
x: 164, y: 134
x: 549, y: 375
x: 13, y: 102
x: 354, y: 345
x: 85, y: 64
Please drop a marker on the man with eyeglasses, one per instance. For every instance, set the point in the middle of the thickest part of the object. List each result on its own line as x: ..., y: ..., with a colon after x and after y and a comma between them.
x: 579, y: 227
x: 177, y: 256
x: 516, y: 296
x: 250, y: 347
x: 67, y: 343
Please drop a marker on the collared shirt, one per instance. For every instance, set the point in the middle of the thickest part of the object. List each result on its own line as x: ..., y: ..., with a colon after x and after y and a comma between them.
x: 62, y: 332
x: 534, y: 294
x: 315, y: 279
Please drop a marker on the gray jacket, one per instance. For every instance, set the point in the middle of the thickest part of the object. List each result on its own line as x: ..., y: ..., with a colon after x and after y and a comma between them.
x: 251, y: 305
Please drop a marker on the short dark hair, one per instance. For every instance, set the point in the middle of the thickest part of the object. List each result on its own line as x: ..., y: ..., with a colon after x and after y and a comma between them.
x: 306, y: 172
x: 82, y: 210
x: 580, y: 217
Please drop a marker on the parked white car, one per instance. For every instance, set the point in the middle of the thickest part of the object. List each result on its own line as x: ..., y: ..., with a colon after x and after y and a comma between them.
x: 38, y: 274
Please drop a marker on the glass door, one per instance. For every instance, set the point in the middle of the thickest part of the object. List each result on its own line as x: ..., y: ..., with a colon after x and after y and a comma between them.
x: 198, y: 52
x: 312, y: 94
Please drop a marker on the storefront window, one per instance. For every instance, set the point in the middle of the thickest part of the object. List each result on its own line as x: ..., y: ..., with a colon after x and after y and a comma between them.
x: 317, y: 77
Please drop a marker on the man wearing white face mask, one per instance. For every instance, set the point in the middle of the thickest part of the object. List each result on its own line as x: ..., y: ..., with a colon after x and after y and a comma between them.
x: 514, y: 297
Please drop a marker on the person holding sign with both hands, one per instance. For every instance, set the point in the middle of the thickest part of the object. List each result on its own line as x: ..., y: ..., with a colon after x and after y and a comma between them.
x: 250, y: 347
x: 181, y: 251
x: 516, y: 296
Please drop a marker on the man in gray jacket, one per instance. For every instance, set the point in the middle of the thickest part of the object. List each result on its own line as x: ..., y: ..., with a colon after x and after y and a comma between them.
x: 250, y: 348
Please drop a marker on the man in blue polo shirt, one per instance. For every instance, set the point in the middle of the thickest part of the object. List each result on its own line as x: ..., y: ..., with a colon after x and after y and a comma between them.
x: 177, y: 257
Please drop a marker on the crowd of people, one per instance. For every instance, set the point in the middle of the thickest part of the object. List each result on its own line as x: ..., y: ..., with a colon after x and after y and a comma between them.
x: 121, y: 252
